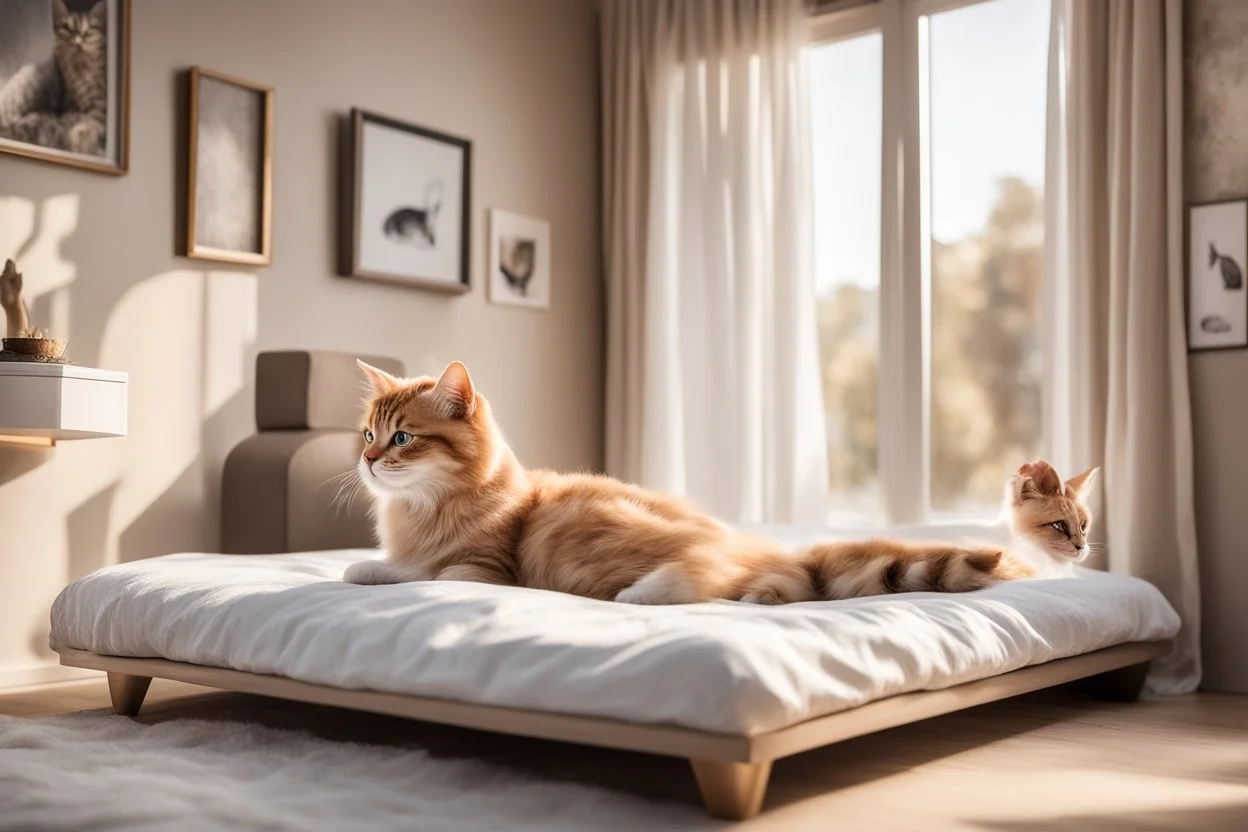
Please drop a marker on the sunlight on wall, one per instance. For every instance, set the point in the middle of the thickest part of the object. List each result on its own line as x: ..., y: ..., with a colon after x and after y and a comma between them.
x: 36, y: 246
x: 155, y: 333
x: 59, y: 318
x: 184, y: 338
x: 17, y: 224
x: 229, y: 332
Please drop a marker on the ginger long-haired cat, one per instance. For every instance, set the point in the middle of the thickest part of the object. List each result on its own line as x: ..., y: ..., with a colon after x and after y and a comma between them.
x: 452, y: 503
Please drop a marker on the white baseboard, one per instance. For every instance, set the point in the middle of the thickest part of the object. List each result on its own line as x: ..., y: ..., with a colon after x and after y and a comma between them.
x: 36, y: 675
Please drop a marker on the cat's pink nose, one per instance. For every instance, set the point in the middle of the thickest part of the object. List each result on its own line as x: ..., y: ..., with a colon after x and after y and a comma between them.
x: 370, y: 460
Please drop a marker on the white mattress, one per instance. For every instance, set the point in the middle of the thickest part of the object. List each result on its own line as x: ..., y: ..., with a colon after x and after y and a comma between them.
x: 725, y: 667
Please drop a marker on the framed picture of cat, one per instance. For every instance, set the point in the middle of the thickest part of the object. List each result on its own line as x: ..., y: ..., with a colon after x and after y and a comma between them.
x: 1217, y: 300
x: 519, y: 260
x: 406, y: 216
x: 229, y: 190
x: 65, y: 82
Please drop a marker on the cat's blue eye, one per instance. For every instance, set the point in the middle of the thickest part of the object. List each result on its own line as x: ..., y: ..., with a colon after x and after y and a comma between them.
x: 402, y: 438
x: 368, y: 435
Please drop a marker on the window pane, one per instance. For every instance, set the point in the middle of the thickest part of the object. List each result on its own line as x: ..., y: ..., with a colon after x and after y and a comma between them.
x: 987, y: 80
x: 846, y: 84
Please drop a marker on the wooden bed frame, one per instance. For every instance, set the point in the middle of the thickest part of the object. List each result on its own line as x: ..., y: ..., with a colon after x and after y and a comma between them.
x: 731, y: 770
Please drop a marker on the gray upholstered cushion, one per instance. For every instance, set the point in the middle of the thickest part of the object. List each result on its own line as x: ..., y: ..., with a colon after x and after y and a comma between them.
x: 280, y: 493
x: 278, y: 488
x: 312, y: 389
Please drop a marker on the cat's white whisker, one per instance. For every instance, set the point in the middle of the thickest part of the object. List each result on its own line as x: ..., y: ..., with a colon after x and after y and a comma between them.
x: 348, y: 488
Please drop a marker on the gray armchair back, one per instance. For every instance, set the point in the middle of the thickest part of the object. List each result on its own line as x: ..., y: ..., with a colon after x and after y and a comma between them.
x: 279, y: 487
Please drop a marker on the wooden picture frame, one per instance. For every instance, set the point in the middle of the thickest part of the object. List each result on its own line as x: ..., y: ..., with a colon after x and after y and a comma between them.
x: 222, y: 121
x: 406, y: 206
x: 117, y: 126
x: 1214, y: 285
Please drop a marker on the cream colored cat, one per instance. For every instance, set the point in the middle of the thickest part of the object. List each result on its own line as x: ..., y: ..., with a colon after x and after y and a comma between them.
x: 453, y: 503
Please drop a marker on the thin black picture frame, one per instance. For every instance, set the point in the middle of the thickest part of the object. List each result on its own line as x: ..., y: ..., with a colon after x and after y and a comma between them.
x: 352, y: 169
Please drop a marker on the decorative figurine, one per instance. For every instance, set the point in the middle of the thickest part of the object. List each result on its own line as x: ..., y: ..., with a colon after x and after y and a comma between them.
x: 24, y: 342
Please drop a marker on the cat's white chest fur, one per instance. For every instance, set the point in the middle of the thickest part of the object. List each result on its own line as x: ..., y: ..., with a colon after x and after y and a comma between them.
x: 1044, y: 563
x: 404, y: 533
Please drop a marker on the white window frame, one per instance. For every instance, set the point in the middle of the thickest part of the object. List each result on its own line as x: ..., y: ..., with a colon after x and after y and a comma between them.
x: 904, y: 420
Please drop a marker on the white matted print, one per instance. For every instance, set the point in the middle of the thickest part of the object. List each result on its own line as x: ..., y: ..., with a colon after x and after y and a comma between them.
x: 410, y: 211
x: 1217, y: 301
x: 519, y: 260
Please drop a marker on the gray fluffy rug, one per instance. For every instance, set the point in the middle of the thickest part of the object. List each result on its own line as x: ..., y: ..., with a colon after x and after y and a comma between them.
x: 94, y: 770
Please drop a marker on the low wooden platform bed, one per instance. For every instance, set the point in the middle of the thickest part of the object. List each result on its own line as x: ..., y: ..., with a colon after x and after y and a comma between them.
x: 732, y: 770
x: 732, y: 687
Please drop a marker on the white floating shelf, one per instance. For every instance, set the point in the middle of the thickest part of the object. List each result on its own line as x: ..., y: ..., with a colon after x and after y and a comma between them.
x: 45, y: 403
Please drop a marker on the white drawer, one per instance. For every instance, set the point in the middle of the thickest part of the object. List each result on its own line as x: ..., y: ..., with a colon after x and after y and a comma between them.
x: 58, y: 401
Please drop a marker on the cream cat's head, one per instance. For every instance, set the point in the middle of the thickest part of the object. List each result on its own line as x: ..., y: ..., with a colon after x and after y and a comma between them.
x: 1051, y: 515
x: 424, y: 437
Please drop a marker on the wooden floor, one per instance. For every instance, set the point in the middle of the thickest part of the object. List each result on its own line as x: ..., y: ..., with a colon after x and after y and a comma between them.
x: 1048, y: 761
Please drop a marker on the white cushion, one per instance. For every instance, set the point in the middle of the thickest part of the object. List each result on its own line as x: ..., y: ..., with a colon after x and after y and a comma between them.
x: 724, y: 667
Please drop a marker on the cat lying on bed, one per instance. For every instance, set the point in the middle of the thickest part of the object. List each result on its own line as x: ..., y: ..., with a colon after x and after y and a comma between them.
x: 452, y: 503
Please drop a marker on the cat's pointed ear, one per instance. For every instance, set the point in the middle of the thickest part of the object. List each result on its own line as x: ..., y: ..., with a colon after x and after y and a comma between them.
x: 1036, y: 479
x: 456, y: 391
x: 1080, y: 485
x: 379, y: 380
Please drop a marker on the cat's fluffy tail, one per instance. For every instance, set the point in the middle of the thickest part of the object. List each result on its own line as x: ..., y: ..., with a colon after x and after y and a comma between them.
x: 853, y: 569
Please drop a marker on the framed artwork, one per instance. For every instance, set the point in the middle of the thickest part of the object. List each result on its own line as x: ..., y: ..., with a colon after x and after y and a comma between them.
x: 65, y: 82
x: 519, y: 260
x: 407, y: 217
x: 229, y: 190
x: 1217, y: 302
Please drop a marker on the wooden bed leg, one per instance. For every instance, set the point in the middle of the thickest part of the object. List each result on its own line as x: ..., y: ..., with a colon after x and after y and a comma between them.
x: 127, y: 692
x: 732, y: 791
x: 1121, y: 685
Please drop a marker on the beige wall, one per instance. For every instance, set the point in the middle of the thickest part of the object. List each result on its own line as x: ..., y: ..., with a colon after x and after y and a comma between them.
x: 518, y: 77
x: 1216, y: 93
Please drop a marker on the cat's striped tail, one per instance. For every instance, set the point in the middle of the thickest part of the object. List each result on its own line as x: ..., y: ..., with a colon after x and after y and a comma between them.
x: 877, y: 567
x: 853, y: 569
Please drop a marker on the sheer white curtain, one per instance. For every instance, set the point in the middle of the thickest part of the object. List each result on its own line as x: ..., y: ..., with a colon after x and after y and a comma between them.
x: 713, y: 385
x: 1114, y: 266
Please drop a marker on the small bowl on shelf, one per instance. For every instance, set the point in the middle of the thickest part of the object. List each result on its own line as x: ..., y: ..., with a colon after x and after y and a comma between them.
x: 40, y: 349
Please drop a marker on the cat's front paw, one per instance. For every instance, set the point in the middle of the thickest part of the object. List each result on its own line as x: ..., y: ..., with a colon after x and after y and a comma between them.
x: 86, y: 135
x: 371, y: 572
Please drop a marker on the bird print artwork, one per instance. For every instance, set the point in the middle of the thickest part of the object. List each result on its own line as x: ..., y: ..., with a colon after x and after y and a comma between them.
x: 1232, y: 275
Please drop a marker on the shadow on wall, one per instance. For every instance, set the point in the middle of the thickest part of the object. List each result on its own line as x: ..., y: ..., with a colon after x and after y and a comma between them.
x: 189, y: 397
x: 187, y: 339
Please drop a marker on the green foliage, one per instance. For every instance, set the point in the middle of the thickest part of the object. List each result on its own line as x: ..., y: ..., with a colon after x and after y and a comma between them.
x: 986, y: 366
